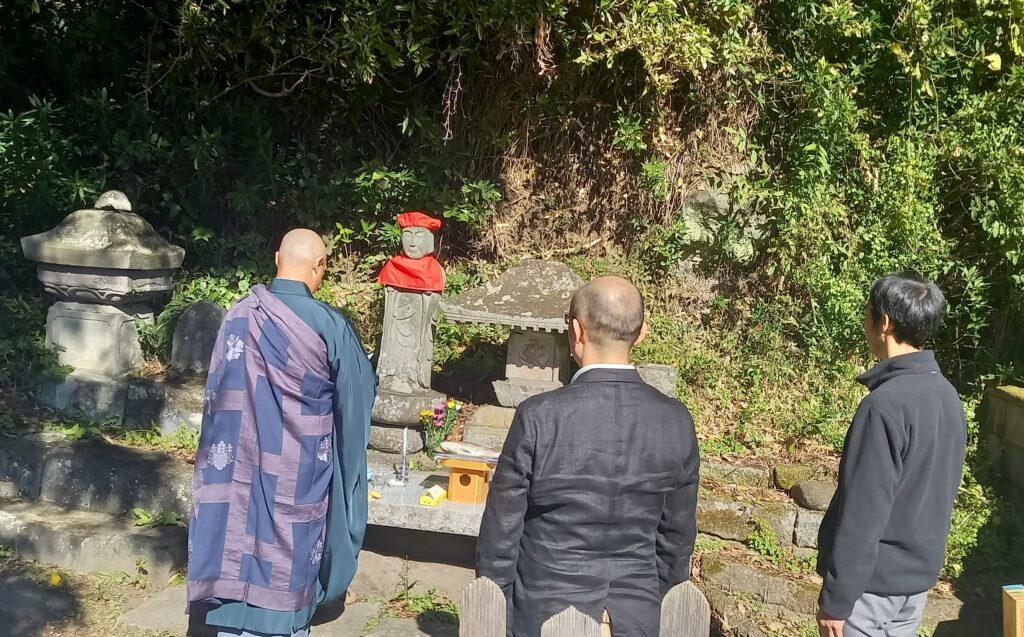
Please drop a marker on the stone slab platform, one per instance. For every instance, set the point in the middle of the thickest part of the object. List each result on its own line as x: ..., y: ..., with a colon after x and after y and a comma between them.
x: 400, y: 506
x: 90, y: 541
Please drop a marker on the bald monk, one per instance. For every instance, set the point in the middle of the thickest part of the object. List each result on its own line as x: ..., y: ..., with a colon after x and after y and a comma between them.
x: 593, y: 501
x: 279, y: 491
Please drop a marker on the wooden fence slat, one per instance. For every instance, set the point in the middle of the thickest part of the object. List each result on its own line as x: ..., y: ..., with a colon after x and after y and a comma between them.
x: 482, y: 610
x: 571, y: 623
x: 685, y: 612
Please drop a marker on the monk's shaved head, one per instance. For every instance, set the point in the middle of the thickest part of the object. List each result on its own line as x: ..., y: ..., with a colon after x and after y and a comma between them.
x: 300, y: 247
x: 302, y: 257
x: 610, y: 309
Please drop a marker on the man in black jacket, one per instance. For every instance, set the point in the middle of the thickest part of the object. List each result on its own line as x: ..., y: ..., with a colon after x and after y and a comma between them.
x: 882, y: 541
x: 594, y: 498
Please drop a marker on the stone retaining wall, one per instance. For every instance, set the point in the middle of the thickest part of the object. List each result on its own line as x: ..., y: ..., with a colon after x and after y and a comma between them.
x: 112, y: 479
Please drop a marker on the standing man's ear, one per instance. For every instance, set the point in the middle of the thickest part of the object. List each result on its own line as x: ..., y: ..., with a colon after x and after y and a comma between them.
x: 886, y: 325
x: 644, y: 331
x: 277, y: 260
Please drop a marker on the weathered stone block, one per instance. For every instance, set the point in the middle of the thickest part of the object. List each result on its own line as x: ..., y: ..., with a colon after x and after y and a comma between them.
x: 745, y: 476
x: 113, y: 479
x: 661, y: 377
x: 537, y: 356
x: 98, y: 339
x: 797, y: 596
x: 488, y: 426
x: 807, y: 524
x: 512, y: 392
x: 735, y: 520
x: 388, y: 438
x: 400, y: 409
x: 814, y: 494
x: 167, y: 404
x: 90, y: 541
x: 195, y: 336
x: 8, y: 490
x: 99, y: 396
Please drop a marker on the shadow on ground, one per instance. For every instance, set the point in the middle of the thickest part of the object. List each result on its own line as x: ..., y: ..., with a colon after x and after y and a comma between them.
x: 29, y: 602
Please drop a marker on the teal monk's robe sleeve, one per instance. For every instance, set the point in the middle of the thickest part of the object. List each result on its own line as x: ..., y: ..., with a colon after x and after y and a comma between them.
x: 355, y: 386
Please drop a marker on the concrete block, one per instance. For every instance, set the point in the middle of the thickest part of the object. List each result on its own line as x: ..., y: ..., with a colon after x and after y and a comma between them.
x: 9, y: 490
x: 787, y: 475
x: 163, y: 612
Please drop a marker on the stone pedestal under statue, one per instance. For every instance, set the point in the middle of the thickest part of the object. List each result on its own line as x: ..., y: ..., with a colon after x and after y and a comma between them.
x: 107, y: 268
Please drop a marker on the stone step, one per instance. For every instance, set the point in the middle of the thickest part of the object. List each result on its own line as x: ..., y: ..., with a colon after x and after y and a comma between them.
x: 90, y: 541
x: 95, y: 475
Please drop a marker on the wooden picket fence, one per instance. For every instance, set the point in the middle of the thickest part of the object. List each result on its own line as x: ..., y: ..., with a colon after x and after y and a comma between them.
x: 684, y: 613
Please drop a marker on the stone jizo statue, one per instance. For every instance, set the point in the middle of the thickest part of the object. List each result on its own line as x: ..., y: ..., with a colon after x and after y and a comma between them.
x: 412, y: 282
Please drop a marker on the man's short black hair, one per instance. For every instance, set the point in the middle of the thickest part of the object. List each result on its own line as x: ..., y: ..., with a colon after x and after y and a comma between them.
x: 913, y: 303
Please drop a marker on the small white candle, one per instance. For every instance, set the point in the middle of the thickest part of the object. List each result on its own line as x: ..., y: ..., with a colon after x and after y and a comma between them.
x: 405, y: 441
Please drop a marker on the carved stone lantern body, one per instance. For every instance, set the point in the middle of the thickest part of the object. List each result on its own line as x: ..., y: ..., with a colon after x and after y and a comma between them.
x: 106, y: 267
x: 531, y: 299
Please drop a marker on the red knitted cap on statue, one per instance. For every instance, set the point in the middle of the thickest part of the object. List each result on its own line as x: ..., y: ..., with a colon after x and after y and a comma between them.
x: 416, y: 219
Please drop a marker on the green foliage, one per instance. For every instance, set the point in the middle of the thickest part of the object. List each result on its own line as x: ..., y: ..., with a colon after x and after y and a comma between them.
x: 25, y: 362
x: 146, y: 518
x: 652, y: 177
x: 6, y: 552
x: 809, y: 629
x: 429, y: 606
x: 765, y: 542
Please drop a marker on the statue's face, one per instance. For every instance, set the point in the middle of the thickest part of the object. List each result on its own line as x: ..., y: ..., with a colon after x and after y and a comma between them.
x: 417, y: 242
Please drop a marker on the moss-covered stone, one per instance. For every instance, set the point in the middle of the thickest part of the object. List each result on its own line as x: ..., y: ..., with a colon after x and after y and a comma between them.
x: 731, y: 474
x: 731, y: 520
x: 787, y: 475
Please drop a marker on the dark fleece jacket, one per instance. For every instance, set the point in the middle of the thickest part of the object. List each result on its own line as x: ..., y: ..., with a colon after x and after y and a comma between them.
x: 885, y: 530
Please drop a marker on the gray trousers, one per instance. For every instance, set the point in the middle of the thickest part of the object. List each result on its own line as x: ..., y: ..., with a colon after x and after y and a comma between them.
x: 886, y: 616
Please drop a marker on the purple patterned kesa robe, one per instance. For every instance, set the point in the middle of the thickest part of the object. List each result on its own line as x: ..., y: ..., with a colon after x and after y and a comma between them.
x: 264, y: 466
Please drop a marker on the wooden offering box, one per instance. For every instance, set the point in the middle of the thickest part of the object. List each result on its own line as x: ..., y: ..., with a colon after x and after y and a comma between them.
x: 468, y: 480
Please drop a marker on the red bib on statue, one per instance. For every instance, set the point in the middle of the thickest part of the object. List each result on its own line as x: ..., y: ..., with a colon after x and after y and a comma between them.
x: 421, y: 275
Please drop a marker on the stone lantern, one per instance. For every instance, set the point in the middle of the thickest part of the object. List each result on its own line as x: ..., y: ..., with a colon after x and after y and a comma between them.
x: 107, y: 267
x: 531, y: 299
